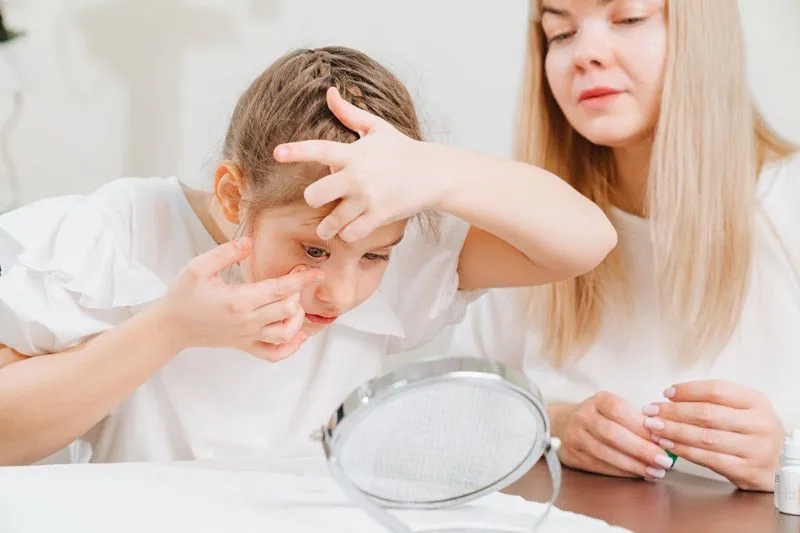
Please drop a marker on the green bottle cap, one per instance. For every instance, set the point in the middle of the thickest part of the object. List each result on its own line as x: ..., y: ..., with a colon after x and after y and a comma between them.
x: 672, y: 456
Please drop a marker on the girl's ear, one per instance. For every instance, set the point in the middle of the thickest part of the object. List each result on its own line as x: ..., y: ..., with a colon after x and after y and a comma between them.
x: 228, y: 187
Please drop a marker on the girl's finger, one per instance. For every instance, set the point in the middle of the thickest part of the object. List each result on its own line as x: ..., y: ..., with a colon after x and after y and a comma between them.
x: 284, y: 331
x: 278, y: 352
x: 325, y: 190
x: 355, y: 118
x: 326, y: 153
x: 360, y: 228
x: 272, y: 290
x: 211, y: 263
x: 278, y: 311
x: 346, y: 212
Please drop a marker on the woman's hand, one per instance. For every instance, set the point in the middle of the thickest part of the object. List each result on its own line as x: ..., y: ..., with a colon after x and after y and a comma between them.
x: 727, y: 428
x: 383, y: 177
x: 605, y: 434
x: 263, y: 318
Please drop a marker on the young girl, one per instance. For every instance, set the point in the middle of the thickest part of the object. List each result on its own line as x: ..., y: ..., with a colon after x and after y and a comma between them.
x: 152, y: 309
x: 644, y: 105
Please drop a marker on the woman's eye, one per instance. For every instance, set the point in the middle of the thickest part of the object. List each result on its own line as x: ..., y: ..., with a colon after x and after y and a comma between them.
x: 316, y: 253
x: 376, y: 257
x: 561, y: 37
x: 630, y: 21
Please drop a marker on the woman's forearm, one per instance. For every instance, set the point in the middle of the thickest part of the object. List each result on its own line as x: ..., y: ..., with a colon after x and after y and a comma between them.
x: 48, y: 401
x: 555, y: 226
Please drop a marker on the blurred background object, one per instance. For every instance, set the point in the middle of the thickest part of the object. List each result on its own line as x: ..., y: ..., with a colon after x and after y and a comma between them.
x: 10, y: 85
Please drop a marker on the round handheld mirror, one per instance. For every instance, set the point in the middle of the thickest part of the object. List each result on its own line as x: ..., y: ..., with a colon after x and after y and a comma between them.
x: 438, y: 433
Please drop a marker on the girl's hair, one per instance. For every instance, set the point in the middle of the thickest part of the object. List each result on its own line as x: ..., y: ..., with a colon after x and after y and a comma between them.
x: 287, y: 103
x: 708, y: 148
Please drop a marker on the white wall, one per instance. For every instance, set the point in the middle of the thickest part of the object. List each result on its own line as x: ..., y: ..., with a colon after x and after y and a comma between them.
x: 144, y: 87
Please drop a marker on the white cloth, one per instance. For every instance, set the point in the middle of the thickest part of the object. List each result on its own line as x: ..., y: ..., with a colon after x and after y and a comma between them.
x: 76, y: 266
x: 631, y: 357
x: 207, y: 498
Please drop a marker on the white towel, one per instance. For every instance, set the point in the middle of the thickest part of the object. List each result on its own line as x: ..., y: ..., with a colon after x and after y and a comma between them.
x: 217, y: 498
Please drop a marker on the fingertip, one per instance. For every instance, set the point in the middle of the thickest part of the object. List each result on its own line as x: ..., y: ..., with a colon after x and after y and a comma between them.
x: 669, y: 392
x: 281, y: 153
x: 324, y: 233
x: 243, y: 244
x: 308, y: 196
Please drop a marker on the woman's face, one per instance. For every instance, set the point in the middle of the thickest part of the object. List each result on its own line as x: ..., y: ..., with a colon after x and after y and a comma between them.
x: 605, y: 63
x: 285, y: 238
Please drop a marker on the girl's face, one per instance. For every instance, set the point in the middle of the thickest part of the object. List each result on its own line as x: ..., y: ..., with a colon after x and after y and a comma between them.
x: 285, y: 238
x: 605, y: 63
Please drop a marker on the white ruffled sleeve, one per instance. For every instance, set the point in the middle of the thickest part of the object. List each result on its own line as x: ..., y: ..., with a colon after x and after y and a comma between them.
x: 66, y: 274
x: 423, y: 283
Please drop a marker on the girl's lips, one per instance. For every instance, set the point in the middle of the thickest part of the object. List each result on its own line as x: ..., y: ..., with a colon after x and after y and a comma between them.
x: 320, y: 319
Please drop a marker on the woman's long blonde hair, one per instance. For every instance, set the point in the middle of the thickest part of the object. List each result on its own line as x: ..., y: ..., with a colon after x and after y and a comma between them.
x: 709, y: 146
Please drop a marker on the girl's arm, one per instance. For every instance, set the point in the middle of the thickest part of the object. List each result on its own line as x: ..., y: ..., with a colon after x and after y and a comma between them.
x: 48, y: 401
x: 529, y: 226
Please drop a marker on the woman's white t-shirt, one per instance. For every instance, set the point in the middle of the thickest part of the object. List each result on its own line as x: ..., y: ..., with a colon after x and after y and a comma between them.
x: 75, y: 266
x: 632, y: 358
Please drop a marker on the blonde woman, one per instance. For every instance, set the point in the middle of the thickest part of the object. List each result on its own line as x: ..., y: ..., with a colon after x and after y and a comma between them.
x: 687, y: 338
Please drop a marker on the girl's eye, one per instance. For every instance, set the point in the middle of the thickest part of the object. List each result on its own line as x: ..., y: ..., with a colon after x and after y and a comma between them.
x: 316, y: 253
x: 376, y: 257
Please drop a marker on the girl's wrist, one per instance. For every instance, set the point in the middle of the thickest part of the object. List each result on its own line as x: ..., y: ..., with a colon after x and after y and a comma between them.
x: 164, y: 324
x: 439, y: 165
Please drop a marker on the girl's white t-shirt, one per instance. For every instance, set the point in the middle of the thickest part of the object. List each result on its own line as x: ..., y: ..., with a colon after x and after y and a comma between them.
x: 76, y: 266
x: 633, y: 357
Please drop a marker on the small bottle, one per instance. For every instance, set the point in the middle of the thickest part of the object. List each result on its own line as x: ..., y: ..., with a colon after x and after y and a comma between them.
x: 787, y: 480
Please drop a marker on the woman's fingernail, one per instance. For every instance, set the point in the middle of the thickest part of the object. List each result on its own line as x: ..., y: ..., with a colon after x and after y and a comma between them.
x: 650, y: 410
x: 653, y: 423
x: 281, y: 152
x: 663, y: 461
x: 666, y: 443
x: 669, y: 393
x: 656, y: 473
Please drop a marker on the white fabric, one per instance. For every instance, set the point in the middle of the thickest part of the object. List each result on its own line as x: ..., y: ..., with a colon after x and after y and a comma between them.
x: 76, y: 266
x: 170, y: 498
x: 631, y: 357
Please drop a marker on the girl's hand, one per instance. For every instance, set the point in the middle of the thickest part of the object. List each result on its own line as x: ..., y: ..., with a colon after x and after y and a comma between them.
x: 263, y: 318
x: 604, y: 434
x: 383, y: 177
x: 727, y: 428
